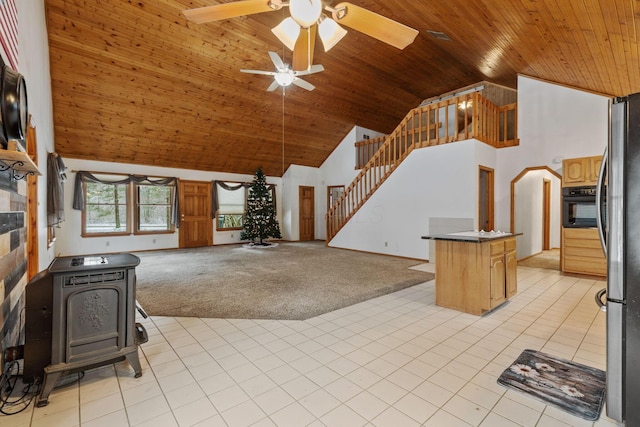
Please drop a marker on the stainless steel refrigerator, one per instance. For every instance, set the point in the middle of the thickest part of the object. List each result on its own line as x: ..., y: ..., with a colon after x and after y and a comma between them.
x: 619, y: 224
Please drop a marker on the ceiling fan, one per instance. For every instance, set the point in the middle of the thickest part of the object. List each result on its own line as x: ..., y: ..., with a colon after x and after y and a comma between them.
x: 298, y: 31
x: 285, y: 76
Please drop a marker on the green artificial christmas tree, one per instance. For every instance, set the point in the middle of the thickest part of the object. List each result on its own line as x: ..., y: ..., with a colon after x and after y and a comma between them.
x: 260, y: 218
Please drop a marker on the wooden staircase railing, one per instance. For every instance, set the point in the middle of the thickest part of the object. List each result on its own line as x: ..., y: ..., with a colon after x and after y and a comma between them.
x: 450, y: 120
x: 365, y: 150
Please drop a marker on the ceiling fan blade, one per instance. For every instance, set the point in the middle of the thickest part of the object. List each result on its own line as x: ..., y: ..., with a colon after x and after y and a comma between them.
x: 218, y: 12
x: 275, y: 58
x: 313, y: 69
x: 303, y: 51
x: 303, y: 84
x: 374, y: 25
x: 316, y: 69
x: 266, y: 73
x: 273, y: 86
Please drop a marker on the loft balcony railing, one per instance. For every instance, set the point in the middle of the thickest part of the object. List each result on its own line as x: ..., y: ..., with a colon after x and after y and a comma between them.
x: 450, y: 120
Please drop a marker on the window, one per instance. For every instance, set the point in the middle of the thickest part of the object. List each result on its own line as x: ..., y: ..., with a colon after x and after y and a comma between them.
x: 121, y: 204
x: 106, y: 209
x: 333, y: 194
x: 231, y: 207
x: 153, y: 208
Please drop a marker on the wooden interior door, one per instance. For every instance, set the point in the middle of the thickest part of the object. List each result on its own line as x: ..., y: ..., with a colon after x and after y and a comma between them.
x: 485, y: 199
x: 546, y: 214
x: 196, y: 224
x: 307, y: 218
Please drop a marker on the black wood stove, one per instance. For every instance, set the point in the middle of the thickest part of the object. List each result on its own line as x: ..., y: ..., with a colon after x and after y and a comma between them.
x: 80, y: 314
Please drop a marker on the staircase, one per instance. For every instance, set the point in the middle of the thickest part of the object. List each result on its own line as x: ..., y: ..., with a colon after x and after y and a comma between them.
x: 449, y: 120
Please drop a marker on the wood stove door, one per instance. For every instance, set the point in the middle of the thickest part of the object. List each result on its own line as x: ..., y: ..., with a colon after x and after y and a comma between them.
x: 97, y: 325
x: 92, y: 319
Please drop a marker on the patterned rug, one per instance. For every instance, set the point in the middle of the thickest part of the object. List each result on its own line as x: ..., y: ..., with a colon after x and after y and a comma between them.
x: 569, y: 386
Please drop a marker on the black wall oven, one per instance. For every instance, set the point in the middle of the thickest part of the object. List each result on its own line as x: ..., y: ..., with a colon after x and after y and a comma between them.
x: 579, y: 207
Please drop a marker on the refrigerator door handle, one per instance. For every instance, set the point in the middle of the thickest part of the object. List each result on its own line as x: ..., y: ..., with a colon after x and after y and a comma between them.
x: 600, y: 201
x: 600, y: 300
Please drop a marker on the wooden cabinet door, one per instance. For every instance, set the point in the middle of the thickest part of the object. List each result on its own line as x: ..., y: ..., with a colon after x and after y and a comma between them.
x: 574, y: 171
x: 498, y: 279
x: 581, y: 171
x: 594, y: 168
x: 511, y: 277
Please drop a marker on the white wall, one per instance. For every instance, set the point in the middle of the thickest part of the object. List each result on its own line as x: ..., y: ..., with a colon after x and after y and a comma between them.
x: 33, y: 64
x: 337, y: 169
x: 528, y: 198
x: 362, y: 133
x: 438, y: 182
x: 70, y: 241
x: 554, y: 122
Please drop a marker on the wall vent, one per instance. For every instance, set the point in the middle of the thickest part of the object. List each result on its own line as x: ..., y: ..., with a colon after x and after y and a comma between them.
x: 76, y: 280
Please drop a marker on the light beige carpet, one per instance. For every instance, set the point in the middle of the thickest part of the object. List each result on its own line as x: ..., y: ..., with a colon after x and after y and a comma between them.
x: 292, y: 281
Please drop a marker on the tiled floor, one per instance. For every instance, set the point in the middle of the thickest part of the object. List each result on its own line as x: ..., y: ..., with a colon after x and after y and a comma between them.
x: 397, y: 360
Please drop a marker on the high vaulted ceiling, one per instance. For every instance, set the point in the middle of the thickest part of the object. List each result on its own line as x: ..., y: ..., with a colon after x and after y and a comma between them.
x: 135, y: 82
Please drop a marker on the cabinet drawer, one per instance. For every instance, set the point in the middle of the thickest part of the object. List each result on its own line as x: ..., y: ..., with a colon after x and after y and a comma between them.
x: 595, y: 253
x: 582, y: 252
x: 502, y: 246
x: 510, y: 245
x: 581, y: 233
x: 585, y: 266
x: 497, y: 248
x: 587, y: 244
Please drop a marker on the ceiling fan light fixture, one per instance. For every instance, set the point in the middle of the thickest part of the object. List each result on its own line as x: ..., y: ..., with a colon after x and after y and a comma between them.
x: 287, y: 32
x: 305, y: 12
x: 284, y: 78
x: 330, y: 33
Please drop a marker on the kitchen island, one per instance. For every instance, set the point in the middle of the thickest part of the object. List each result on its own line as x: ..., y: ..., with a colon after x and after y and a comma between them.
x: 475, y: 270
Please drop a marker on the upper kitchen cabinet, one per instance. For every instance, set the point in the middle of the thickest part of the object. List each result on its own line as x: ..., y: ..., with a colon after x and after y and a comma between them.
x: 581, y: 171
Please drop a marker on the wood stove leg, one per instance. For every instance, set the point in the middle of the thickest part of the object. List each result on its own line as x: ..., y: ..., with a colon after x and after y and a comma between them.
x: 134, y: 361
x: 48, y: 384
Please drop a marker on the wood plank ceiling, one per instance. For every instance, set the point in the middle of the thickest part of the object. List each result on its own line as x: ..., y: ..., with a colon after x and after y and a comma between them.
x: 135, y: 82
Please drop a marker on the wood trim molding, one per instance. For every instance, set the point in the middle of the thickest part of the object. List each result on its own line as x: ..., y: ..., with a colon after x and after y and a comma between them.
x: 490, y: 188
x: 33, y: 260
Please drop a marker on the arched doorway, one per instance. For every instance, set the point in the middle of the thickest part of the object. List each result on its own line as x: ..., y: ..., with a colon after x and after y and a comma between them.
x: 536, y: 211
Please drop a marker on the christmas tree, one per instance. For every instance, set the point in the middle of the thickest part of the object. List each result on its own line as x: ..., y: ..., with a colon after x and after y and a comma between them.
x: 260, y: 218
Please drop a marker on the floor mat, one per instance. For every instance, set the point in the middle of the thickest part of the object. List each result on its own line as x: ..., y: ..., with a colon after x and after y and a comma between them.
x: 569, y: 386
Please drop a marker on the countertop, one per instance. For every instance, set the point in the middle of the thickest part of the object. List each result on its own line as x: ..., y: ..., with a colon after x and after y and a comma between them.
x: 474, y: 236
